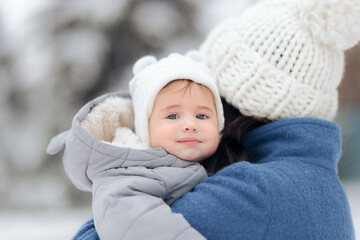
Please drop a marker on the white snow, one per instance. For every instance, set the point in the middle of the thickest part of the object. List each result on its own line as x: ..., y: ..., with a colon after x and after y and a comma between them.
x: 54, y: 225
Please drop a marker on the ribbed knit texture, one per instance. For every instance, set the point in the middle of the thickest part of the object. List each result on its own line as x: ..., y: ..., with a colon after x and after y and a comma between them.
x: 273, y: 62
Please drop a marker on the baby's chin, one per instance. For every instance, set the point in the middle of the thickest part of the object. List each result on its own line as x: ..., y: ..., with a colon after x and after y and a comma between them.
x: 193, y: 157
x: 189, y: 154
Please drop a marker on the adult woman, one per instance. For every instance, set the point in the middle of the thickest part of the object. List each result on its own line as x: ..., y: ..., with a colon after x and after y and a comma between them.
x: 280, y: 61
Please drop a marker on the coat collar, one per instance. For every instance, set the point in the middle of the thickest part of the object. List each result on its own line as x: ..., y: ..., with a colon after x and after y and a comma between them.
x: 296, y: 139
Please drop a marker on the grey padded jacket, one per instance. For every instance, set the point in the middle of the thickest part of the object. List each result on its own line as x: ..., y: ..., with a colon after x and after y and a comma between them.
x: 131, y: 188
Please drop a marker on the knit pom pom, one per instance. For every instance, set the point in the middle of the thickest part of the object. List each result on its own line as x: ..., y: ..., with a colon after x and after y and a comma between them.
x: 335, y: 23
x: 143, y: 63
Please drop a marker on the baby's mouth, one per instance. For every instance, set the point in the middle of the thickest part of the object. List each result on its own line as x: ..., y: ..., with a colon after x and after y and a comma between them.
x: 189, y: 141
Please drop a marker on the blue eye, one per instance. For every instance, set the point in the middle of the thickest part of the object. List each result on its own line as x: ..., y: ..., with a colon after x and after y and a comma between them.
x: 172, y: 116
x: 201, y: 116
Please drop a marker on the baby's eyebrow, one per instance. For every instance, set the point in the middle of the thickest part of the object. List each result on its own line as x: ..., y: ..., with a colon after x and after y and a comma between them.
x: 167, y: 108
x: 175, y: 106
x: 206, y: 108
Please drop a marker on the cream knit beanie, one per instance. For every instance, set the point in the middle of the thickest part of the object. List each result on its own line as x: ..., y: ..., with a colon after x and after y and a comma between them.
x: 150, y: 76
x: 284, y: 58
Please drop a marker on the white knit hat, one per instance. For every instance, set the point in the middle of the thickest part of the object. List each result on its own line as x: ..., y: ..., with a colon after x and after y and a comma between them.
x: 150, y: 76
x: 284, y: 58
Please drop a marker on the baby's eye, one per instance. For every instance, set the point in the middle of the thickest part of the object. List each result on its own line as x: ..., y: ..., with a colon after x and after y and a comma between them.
x: 173, y: 116
x: 201, y: 116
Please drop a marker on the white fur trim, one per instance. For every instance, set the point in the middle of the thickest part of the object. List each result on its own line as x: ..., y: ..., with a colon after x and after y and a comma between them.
x: 106, y: 117
x: 124, y: 137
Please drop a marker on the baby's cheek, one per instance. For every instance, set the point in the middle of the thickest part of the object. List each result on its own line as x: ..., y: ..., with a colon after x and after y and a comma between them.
x: 214, y: 141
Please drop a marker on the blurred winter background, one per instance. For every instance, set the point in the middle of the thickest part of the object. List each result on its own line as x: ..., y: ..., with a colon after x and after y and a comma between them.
x: 57, y: 55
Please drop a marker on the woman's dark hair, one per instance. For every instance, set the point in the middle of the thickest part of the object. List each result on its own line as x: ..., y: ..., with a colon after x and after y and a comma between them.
x: 231, y: 148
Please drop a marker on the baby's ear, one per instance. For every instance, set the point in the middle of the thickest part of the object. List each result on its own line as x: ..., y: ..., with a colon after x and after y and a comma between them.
x: 197, y: 56
x: 142, y: 63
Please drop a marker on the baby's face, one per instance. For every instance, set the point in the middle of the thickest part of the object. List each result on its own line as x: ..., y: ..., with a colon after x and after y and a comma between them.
x: 184, y: 121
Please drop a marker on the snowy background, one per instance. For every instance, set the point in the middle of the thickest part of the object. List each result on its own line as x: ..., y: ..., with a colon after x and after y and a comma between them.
x: 57, y: 55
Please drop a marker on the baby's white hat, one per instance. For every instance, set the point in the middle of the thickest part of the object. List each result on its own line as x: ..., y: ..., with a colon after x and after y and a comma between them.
x: 150, y: 76
x: 284, y: 58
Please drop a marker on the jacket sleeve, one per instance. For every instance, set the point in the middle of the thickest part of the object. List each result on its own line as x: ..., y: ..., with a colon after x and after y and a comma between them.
x: 129, y: 203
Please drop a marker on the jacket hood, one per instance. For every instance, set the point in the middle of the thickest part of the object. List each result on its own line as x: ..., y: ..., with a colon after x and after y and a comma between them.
x: 101, y: 137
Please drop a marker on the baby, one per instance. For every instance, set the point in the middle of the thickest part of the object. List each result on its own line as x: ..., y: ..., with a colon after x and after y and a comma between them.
x: 177, y: 108
x: 135, y: 176
x: 177, y: 105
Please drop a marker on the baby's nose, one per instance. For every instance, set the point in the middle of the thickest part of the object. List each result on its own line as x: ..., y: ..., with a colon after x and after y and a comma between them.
x: 189, y: 126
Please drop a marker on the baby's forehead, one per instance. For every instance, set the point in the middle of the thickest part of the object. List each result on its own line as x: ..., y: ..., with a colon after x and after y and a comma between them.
x: 183, y: 94
x: 184, y: 85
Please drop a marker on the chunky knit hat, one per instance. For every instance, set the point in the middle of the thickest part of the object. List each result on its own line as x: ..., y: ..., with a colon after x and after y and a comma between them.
x: 150, y: 76
x: 284, y: 58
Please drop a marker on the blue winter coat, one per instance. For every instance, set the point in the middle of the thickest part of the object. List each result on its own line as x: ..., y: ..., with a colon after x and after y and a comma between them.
x: 291, y: 191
